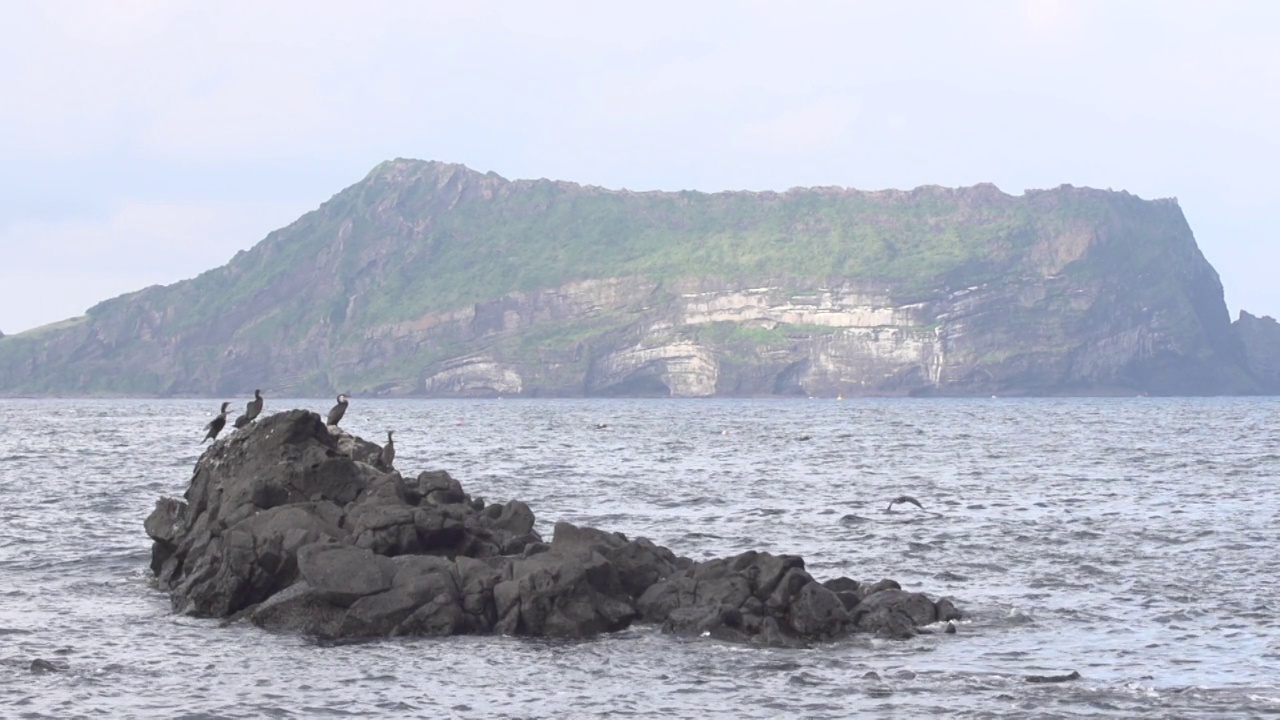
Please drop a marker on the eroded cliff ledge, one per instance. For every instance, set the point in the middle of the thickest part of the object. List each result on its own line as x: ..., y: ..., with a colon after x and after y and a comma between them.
x: 433, y: 279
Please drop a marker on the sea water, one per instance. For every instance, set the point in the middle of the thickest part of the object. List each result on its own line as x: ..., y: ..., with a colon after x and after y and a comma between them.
x: 1131, y: 540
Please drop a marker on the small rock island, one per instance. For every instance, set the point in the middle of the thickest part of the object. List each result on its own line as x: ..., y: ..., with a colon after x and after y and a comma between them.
x: 294, y: 526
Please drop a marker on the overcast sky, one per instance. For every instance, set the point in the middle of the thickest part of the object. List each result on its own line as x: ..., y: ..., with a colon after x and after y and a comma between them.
x: 143, y: 142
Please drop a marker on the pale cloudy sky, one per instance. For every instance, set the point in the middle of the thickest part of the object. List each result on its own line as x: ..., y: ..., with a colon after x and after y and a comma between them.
x: 143, y: 141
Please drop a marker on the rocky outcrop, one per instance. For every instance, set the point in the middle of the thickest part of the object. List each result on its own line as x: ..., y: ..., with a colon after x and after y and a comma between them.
x: 1260, y: 338
x: 288, y: 524
x: 773, y: 600
x: 432, y: 279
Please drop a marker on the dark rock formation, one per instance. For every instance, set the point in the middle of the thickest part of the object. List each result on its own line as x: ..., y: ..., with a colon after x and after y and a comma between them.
x: 288, y: 524
x: 1068, y: 677
x: 1260, y: 338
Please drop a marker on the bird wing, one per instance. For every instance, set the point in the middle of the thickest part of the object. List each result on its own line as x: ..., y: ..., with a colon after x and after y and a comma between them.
x: 904, y: 499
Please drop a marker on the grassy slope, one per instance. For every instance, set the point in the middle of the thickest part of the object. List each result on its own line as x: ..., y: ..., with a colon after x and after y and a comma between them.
x: 545, y: 234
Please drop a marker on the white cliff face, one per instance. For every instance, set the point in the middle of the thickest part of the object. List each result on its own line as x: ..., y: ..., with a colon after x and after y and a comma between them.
x: 684, y: 368
x: 874, y: 342
x: 877, y: 346
x: 473, y: 376
x: 825, y: 308
x: 828, y: 341
x: 860, y: 360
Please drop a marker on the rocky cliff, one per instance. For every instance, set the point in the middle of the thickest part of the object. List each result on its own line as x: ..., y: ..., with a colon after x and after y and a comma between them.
x: 432, y: 279
x: 1260, y: 337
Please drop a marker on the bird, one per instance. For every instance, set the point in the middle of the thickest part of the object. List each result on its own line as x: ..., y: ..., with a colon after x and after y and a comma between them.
x: 903, y: 499
x: 335, y: 415
x: 251, y: 410
x: 388, y: 454
x: 215, y: 425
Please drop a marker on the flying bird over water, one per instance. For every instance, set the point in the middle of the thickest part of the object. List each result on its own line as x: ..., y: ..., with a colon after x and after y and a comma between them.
x: 388, y: 454
x: 903, y: 499
x: 251, y: 410
x: 215, y: 425
x: 335, y: 414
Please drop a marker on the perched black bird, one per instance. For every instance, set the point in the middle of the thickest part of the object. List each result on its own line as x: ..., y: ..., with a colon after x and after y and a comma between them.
x: 388, y: 454
x: 903, y: 499
x: 335, y: 415
x: 251, y: 410
x: 215, y: 425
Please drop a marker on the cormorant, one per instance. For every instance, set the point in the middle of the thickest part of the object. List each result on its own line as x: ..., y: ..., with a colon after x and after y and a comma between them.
x: 338, y: 410
x: 388, y: 455
x: 251, y: 410
x: 903, y: 499
x: 215, y: 425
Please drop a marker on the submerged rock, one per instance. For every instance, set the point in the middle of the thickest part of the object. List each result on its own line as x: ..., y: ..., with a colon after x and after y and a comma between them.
x: 1068, y: 677
x: 40, y: 665
x: 289, y: 524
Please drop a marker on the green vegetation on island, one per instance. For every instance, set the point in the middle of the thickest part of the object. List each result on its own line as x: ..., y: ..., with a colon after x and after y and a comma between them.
x: 430, y: 270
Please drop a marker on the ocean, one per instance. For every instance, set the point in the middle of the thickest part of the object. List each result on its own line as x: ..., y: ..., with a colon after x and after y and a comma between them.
x: 1133, y: 540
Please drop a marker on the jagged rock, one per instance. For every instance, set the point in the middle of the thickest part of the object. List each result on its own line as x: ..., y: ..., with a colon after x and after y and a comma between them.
x: 298, y: 608
x: 843, y: 584
x: 1068, y: 677
x: 441, y: 615
x: 165, y: 526
x: 514, y: 518
x: 283, y: 526
x: 442, y: 531
x: 947, y: 611
x: 885, y: 584
x: 419, y: 584
x: 765, y: 598
x: 354, y: 447
x: 571, y: 592
x: 166, y: 522
x: 477, y: 579
x: 249, y: 562
x: 638, y: 564
x: 425, y: 599
x: 385, y: 529
x: 895, y: 613
x: 916, y: 606
x: 437, y: 487
x: 40, y: 665
x: 849, y: 591
x: 342, y: 574
x: 816, y: 611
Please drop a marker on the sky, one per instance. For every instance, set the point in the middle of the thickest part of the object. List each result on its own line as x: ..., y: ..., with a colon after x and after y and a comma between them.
x: 145, y: 141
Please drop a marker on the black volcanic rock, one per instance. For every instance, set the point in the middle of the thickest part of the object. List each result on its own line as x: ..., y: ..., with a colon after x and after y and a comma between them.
x: 283, y: 526
x: 751, y: 597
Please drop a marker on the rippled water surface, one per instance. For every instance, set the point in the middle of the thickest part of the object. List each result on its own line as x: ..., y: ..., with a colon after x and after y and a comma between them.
x: 1132, y: 540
